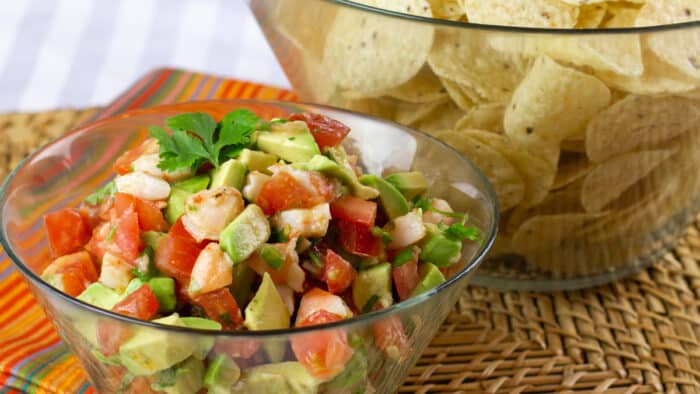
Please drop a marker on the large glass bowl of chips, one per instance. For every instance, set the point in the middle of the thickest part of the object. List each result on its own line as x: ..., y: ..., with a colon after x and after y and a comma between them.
x: 583, y: 114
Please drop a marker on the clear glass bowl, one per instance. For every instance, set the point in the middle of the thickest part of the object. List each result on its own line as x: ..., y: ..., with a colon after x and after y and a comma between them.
x: 65, y: 171
x: 590, y: 137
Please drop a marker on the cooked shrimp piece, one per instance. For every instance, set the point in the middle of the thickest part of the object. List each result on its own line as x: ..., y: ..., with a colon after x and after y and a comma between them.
x: 142, y: 185
x: 208, y: 212
x: 436, y: 217
x: 408, y: 229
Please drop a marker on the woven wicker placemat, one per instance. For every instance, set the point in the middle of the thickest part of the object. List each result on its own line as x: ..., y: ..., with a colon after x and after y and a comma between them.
x: 640, y: 335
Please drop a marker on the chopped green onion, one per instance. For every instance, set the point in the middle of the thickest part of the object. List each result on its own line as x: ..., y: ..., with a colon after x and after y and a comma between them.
x: 369, y: 305
x: 272, y: 256
x: 378, y: 232
x: 316, y: 260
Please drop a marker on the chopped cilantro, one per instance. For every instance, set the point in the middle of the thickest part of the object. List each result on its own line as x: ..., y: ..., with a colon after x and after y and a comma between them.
x: 226, y: 319
x: 110, y: 235
x: 100, y: 194
x: 378, y: 232
x: 369, y: 305
x: 272, y: 256
x: 461, y: 232
x: 403, y: 257
x: 426, y: 205
x: 197, y: 138
x: 316, y: 260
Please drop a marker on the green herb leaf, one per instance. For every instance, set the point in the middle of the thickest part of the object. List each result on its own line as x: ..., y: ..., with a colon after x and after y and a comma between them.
x: 316, y: 260
x: 378, y: 232
x: 111, y: 232
x: 403, y: 257
x: 197, y: 138
x: 100, y: 194
x: 461, y: 232
x: 369, y: 305
x: 226, y: 319
x: 272, y: 256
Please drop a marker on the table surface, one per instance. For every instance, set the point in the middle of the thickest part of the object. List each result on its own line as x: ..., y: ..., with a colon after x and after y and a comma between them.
x: 81, y: 53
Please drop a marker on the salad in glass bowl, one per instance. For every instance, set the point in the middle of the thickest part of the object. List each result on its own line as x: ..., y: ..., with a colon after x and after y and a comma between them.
x: 212, y: 232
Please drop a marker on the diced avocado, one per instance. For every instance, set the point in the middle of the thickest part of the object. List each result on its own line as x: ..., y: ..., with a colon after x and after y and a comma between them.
x: 243, y: 277
x: 111, y: 360
x: 355, y: 370
x: 178, y: 195
x: 230, y: 173
x: 267, y: 310
x: 256, y: 160
x: 194, y: 184
x: 99, y: 295
x: 373, y: 282
x: 339, y: 156
x: 164, y: 290
x: 222, y: 374
x: 291, y: 141
x: 411, y: 183
x: 132, y: 286
x: 149, y: 351
x: 247, y: 232
x: 288, y: 377
x: 176, y: 204
x: 184, y: 378
x: 430, y: 276
x: 205, y: 343
x: 324, y: 165
x: 393, y: 202
x: 441, y: 250
x: 151, y: 238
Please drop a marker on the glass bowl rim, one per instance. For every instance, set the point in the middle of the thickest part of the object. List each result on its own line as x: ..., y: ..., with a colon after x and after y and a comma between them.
x: 513, y: 29
x: 355, y: 320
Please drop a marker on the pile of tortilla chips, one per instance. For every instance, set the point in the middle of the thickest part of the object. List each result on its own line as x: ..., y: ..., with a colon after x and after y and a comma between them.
x: 592, y: 141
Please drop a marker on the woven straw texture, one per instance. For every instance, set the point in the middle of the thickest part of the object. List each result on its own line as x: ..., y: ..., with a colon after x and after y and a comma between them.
x: 640, y: 335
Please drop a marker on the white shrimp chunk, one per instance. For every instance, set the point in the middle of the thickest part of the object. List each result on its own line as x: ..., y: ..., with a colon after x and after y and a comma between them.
x: 208, y: 212
x: 310, y: 223
x: 115, y: 273
x: 143, y: 186
x: 254, y: 183
x: 435, y: 217
x: 149, y: 164
x: 408, y: 229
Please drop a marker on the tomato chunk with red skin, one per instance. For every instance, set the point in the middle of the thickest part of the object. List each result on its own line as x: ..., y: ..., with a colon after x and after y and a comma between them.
x: 406, y: 277
x: 178, y: 230
x: 323, y: 353
x: 358, y: 239
x: 141, y: 304
x: 220, y: 305
x: 283, y: 192
x: 175, y: 257
x: 338, y: 273
x: 76, y: 271
x: 127, y: 233
x: 355, y: 210
x: 326, y: 131
x: 68, y: 231
x: 390, y: 337
x: 123, y: 164
x: 149, y: 216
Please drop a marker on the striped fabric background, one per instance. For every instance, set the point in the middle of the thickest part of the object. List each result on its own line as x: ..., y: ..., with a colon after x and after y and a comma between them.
x: 80, y: 53
x: 32, y: 357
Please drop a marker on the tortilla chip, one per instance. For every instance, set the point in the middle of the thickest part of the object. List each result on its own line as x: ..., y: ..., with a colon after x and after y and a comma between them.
x: 483, y: 117
x: 530, y: 13
x: 424, y: 87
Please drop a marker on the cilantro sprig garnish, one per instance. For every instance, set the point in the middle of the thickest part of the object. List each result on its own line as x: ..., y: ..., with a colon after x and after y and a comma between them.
x: 197, y: 138
x: 461, y: 232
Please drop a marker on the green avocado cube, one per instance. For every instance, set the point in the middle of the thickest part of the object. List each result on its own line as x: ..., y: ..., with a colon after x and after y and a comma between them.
x: 290, y: 141
x: 149, y: 350
x: 393, y: 202
x: 194, y: 184
x: 179, y: 192
x: 164, y: 290
x: 204, y: 343
x: 373, y: 283
x: 222, y: 374
x: 441, y: 250
x: 411, y: 184
x: 184, y: 378
x: 285, y: 377
x: 100, y: 296
x: 246, y: 233
x: 346, y: 175
x: 430, y: 276
x: 230, y: 173
x: 151, y: 238
x: 256, y: 160
x: 267, y: 310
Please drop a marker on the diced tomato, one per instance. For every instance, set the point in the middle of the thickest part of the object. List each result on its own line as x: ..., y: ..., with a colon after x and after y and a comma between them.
x: 326, y: 131
x: 94, y: 214
x: 175, y: 256
x: 390, y: 337
x: 141, y: 304
x: 76, y: 272
x: 127, y: 235
x: 358, y: 239
x: 283, y: 192
x: 406, y: 276
x: 178, y: 230
x: 338, y: 273
x: 354, y: 210
x: 323, y: 353
x: 241, y: 348
x: 68, y: 231
x: 290, y: 273
x: 149, y: 216
x: 123, y: 164
x: 220, y: 305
